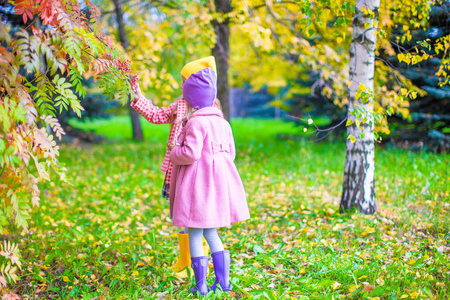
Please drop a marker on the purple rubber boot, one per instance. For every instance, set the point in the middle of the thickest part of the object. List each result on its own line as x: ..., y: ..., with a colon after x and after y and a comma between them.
x: 221, y: 261
x: 200, y: 267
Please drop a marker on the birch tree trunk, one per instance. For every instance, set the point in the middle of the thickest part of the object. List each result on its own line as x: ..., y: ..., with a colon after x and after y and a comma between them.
x: 221, y: 53
x: 134, y: 115
x: 359, y: 172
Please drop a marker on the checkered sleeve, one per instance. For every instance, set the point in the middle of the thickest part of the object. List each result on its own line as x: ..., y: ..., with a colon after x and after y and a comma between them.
x: 153, y: 113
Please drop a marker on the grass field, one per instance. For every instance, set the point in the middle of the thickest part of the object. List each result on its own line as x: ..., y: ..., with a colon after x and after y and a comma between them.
x: 107, y: 234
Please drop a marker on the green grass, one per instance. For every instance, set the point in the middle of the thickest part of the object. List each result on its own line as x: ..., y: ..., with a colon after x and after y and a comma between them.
x: 108, y: 233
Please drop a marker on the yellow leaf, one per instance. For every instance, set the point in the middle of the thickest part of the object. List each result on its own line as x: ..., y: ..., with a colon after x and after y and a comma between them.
x: 404, y: 112
x: 135, y: 273
x: 404, y: 296
x: 140, y: 264
x: 66, y: 279
x: 353, y: 288
x: 404, y: 91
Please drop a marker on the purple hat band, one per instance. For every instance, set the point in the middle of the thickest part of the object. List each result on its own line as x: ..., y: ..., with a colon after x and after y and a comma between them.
x: 200, y: 89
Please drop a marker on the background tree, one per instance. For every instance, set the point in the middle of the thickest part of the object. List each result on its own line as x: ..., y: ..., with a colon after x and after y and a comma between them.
x: 429, y: 121
x: 135, y: 121
x: 358, y: 188
x: 221, y: 52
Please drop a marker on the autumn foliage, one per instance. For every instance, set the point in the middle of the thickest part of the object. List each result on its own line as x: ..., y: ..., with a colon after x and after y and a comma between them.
x: 41, y: 67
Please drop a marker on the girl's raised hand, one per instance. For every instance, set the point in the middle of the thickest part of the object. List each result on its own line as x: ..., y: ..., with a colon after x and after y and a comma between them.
x: 135, y: 88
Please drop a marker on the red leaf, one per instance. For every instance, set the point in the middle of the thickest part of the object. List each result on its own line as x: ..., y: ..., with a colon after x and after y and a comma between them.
x: 30, y: 14
x: 24, y: 7
x: 36, y: 31
x: 48, y: 11
x: 368, y: 288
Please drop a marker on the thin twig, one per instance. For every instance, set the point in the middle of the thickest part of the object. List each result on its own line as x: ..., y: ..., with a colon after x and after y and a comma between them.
x: 318, y: 130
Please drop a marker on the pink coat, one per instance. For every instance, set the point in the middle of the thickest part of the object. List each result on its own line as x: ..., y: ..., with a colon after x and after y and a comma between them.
x: 206, y: 190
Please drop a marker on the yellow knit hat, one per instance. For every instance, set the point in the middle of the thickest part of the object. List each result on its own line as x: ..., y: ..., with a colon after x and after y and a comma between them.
x: 197, y: 65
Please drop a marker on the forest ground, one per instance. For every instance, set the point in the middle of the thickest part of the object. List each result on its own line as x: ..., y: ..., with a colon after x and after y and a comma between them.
x: 107, y: 234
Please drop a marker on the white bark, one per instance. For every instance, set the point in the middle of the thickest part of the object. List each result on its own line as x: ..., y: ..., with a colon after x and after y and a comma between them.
x: 358, y: 186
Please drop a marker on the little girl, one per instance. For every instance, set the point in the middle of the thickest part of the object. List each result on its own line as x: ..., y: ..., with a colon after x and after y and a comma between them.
x: 172, y: 115
x: 206, y: 191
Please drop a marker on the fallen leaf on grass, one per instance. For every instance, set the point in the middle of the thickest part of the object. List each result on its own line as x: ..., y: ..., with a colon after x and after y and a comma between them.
x: 368, y: 288
x: 380, y: 281
x: 335, y: 285
x: 353, y: 288
x: 442, y: 249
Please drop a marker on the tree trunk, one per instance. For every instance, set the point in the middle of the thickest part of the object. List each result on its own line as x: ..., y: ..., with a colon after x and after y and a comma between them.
x: 135, y: 121
x: 358, y: 185
x: 221, y: 52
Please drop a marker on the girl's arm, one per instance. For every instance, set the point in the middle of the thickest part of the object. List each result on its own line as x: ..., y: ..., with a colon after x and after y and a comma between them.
x: 145, y: 107
x: 152, y: 113
x: 191, y: 148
